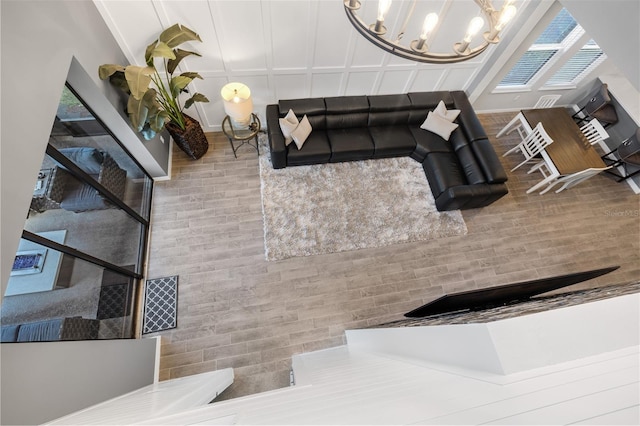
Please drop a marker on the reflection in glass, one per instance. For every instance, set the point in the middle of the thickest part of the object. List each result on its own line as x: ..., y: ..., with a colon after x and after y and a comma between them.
x: 94, y: 225
x: 83, y: 139
x: 99, y: 215
x: 66, y: 299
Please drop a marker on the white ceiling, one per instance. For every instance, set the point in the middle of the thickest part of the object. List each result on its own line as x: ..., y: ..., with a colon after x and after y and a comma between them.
x: 293, y: 49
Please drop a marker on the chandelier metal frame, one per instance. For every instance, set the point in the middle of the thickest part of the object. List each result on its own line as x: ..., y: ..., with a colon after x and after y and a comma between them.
x: 418, y: 50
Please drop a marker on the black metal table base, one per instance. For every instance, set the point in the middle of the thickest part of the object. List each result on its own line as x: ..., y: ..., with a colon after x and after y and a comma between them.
x: 244, y: 134
x: 244, y: 142
x: 614, y: 163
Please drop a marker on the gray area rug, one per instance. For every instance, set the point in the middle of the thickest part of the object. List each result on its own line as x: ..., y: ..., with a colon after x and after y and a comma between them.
x: 329, y: 208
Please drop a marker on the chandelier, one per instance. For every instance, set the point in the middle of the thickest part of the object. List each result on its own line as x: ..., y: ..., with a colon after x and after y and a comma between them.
x: 418, y: 49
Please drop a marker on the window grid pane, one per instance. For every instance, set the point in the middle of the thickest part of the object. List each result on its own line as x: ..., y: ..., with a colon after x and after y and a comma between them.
x: 558, y: 29
x: 577, y: 65
x: 527, y: 67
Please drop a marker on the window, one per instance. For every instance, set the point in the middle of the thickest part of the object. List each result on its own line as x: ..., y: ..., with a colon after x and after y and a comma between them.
x: 527, y: 67
x: 580, y: 64
x: 560, y: 35
x: 558, y: 29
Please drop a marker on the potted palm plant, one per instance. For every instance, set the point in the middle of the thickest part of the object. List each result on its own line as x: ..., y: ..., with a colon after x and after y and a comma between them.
x: 155, y: 94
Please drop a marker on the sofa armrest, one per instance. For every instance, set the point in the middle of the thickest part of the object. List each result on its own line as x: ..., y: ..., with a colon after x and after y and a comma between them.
x: 470, y: 196
x: 468, y: 119
x: 276, y: 139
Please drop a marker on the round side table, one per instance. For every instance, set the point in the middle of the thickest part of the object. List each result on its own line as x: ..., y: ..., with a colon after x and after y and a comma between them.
x: 244, y: 136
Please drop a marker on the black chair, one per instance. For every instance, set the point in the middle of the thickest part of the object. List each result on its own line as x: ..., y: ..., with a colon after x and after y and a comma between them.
x: 598, y: 106
x: 628, y: 153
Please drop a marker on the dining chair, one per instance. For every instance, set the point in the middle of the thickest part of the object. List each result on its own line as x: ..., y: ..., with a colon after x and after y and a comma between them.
x: 549, y: 174
x: 547, y: 101
x: 627, y: 153
x: 598, y: 106
x: 574, y: 178
x: 594, y: 131
x: 518, y: 123
x: 532, y: 145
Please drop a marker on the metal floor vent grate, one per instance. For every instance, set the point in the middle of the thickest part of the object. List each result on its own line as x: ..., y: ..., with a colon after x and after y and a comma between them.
x: 160, y: 304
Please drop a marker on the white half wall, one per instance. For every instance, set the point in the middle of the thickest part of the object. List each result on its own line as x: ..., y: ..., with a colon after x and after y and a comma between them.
x: 515, y: 344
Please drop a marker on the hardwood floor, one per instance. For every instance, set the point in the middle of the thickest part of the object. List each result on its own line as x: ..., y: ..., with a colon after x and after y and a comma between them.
x: 238, y: 310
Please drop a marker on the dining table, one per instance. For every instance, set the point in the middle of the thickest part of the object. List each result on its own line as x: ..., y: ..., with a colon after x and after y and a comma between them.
x: 570, y: 151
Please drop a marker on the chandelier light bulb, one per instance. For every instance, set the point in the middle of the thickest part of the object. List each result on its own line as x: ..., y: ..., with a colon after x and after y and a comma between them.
x: 383, y: 8
x: 507, y: 14
x: 474, y: 27
x: 430, y: 22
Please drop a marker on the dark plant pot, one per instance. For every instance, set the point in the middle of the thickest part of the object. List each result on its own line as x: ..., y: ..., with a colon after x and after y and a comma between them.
x: 192, y: 139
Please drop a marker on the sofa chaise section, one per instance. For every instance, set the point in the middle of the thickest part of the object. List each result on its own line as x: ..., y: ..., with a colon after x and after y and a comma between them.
x: 463, y: 172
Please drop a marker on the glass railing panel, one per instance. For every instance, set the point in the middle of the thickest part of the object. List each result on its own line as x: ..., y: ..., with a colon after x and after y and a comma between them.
x: 80, y: 137
x: 92, y: 224
x: 53, y: 296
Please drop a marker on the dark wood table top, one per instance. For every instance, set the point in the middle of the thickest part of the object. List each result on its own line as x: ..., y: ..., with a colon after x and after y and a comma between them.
x: 570, y: 150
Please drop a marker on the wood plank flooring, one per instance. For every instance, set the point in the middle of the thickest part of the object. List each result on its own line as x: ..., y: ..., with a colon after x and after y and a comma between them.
x: 237, y: 310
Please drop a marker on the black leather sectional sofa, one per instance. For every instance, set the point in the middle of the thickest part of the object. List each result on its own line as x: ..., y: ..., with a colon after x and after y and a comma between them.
x: 463, y: 172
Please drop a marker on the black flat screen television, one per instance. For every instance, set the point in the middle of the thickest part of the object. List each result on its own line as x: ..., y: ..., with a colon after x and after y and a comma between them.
x: 475, y: 300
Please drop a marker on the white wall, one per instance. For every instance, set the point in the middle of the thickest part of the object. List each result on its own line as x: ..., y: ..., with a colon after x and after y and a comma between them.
x: 307, y: 48
x: 39, y: 40
x: 614, y: 25
x: 44, y: 381
x: 297, y: 49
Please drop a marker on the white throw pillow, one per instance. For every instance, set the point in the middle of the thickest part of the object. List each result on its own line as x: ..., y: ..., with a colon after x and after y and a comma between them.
x: 443, y: 112
x: 302, y: 132
x: 438, y: 125
x: 288, y: 124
